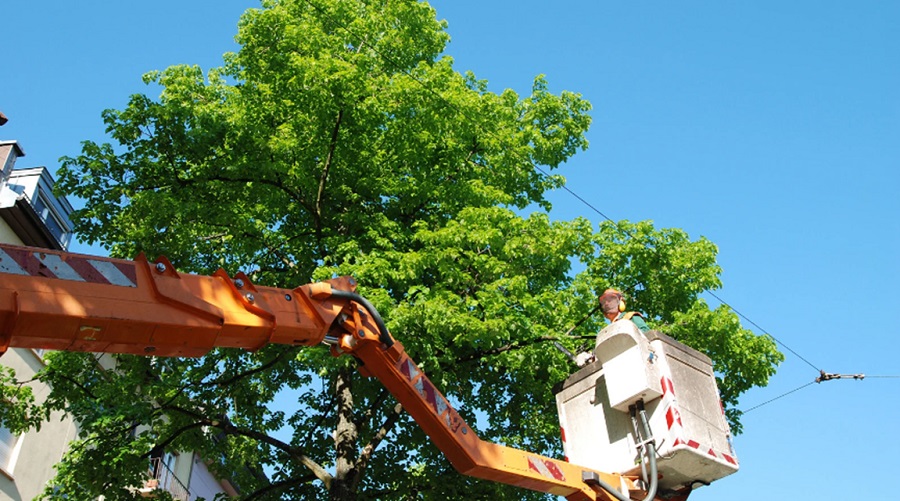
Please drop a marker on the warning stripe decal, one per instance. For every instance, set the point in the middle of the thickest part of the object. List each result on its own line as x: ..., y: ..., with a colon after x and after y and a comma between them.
x: 673, y: 416
x: 117, y: 273
x: 7, y: 265
x: 667, y: 387
x: 60, y: 269
x: 545, y: 468
x: 676, y: 431
x: 710, y: 451
x: 74, y: 268
x: 20, y: 263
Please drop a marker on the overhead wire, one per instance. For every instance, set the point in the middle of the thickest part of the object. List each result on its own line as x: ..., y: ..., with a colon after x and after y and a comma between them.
x: 764, y: 331
x: 711, y: 293
x: 795, y: 390
x: 581, y: 199
x: 824, y: 377
x: 577, y: 196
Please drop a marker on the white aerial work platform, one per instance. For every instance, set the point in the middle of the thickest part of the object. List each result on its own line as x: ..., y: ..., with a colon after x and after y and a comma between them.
x: 678, y: 389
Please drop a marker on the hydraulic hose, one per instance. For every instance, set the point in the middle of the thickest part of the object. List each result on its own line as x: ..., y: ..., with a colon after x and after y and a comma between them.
x: 649, y: 447
x: 383, y: 335
x: 651, y: 453
x: 640, y: 439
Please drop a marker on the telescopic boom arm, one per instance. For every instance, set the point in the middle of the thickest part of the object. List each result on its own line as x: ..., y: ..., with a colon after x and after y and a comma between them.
x: 63, y: 301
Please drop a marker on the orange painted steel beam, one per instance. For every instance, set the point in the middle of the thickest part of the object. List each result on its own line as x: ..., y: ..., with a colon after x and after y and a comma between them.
x: 457, y: 441
x: 63, y: 301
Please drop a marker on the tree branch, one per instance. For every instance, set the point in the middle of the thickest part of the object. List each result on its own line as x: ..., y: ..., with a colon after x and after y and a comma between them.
x: 230, y: 429
x: 276, y: 184
x: 369, y: 449
x: 502, y: 349
x: 284, y: 484
x: 165, y: 443
x: 293, y: 194
x: 72, y: 381
x: 473, y: 151
x: 263, y: 367
x: 376, y: 403
x: 327, y: 167
x: 322, y: 416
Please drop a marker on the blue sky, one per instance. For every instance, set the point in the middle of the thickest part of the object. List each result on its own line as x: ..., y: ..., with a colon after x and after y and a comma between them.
x: 771, y: 128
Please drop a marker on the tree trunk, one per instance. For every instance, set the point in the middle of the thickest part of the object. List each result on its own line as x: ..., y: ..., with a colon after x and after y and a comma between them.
x: 345, y: 438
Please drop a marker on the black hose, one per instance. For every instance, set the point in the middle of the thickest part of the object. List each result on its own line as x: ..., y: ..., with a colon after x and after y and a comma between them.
x: 640, y: 438
x: 383, y: 335
x: 649, y: 447
x: 651, y: 453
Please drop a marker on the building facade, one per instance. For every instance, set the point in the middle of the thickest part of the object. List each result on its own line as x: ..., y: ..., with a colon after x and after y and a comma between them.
x: 31, y: 215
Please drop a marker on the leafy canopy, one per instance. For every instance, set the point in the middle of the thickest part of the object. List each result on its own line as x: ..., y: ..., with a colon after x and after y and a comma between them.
x: 340, y: 140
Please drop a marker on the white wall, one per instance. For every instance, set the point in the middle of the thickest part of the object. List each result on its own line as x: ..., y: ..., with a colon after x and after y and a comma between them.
x: 203, y: 484
x: 39, y: 451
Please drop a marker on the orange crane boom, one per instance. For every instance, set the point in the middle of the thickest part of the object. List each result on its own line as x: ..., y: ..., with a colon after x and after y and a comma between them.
x: 64, y: 301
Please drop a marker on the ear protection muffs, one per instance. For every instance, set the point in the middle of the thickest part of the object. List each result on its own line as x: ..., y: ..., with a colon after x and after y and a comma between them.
x: 621, y: 305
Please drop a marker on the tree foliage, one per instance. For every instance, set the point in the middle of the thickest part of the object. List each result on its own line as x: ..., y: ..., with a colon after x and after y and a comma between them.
x: 18, y: 411
x: 340, y: 140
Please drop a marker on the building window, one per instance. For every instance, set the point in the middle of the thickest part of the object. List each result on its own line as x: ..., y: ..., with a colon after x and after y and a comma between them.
x: 9, y: 449
x: 51, y: 219
x: 162, y: 476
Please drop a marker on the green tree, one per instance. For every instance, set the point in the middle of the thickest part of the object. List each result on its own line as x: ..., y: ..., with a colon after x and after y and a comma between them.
x: 339, y: 140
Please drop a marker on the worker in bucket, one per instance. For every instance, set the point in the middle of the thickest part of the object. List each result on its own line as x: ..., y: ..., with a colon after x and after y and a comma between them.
x: 612, y: 302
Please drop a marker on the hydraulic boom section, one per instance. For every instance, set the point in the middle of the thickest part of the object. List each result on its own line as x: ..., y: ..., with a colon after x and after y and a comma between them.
x: 63, y: 301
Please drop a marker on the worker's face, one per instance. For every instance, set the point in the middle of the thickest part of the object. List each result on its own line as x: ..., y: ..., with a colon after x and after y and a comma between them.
x: 610, y: 305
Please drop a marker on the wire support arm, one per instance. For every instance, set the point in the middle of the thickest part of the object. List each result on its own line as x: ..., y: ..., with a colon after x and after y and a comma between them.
x: 827, y: 376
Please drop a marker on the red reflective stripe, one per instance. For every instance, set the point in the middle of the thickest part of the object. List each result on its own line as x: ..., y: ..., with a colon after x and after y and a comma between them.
x: 408, y: 369
x: 36, y: 264
x: 546, y: 468
x: 712, y: 452
x: 673, y: 417
x: 554, y: 470
x: 128, y: 270
x: 429, y: 393
x: 667, y: 386
x: 86, y: 270
x: 30, y: 263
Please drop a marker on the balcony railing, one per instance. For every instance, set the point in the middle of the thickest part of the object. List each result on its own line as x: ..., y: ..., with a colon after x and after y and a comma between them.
x: 161, y: 477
